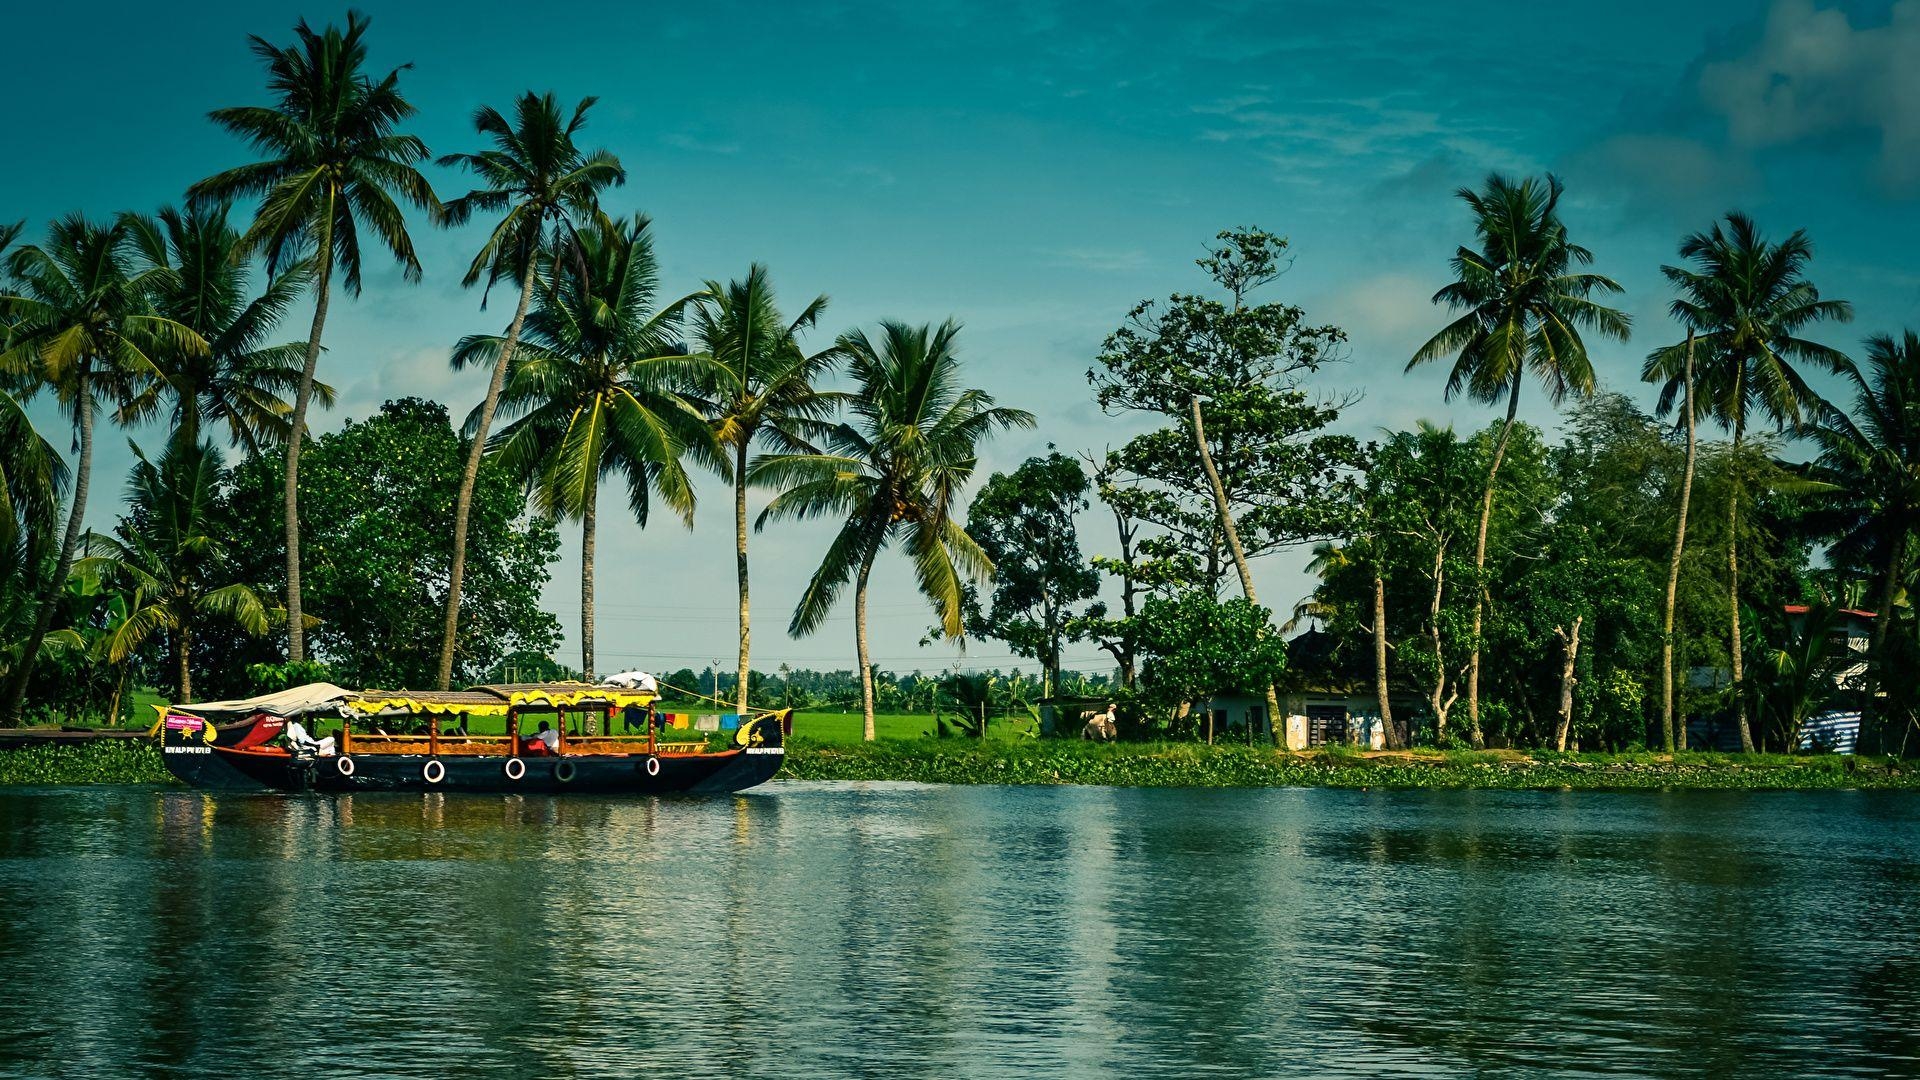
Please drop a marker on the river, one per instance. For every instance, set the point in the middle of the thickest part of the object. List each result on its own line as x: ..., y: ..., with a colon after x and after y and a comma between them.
x: 822, y: 930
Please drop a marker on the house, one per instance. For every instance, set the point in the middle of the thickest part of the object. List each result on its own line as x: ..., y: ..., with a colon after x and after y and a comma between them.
x: 1835, y: 729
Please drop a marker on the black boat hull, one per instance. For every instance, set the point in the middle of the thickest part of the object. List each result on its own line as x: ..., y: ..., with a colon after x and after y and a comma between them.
x: 220, y: 769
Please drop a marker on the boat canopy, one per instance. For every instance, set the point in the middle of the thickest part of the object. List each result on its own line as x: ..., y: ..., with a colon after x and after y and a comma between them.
x: 288, y: 703
x: 474, y: 701
x: 494, y: 700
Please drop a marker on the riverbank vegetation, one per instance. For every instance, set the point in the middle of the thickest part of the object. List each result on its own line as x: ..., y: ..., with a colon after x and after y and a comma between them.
x: 1176, y: 764
x: 1723, y: 569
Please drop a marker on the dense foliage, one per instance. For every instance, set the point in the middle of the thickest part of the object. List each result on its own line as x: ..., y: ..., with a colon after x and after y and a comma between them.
x: 376, y: 496
x: 1607, y: 581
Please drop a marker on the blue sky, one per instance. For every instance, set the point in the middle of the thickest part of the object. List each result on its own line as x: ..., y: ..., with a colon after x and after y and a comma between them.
x: 1033, y: 170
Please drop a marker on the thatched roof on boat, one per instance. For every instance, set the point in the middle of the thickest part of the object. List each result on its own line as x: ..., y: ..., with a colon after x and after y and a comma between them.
x: 495, y: 700
x: 415, y: 702
x: 473, y: 701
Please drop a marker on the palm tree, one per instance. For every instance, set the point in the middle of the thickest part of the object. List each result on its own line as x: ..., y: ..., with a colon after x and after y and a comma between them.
x: 239, y: 380
x: 169, y: 551
x: 334, y: 158
x: 82, y: 324
x: 1689, y: 421
x: 1746, y: 300
x: 893, y: 470
x: 1524, y: 306
x: 763, y: 388
x: 545, y: 186
x: 32, y: 478
x: 1869, y: 466
x: 595, y: 384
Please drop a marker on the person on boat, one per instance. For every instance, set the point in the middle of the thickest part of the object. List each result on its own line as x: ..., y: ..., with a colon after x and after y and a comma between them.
x: 456, y: 725
x: 305, y: 745
x: 544, y: 741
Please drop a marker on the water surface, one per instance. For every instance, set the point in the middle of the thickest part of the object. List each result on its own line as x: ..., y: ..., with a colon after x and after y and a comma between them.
x: 808, y: 930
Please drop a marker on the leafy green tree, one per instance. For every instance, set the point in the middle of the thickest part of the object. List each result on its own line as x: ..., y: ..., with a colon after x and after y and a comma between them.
x: 894, y: 470
x: 83, y: 326
x: 241, y: 379
x: 761, y: 389
x: 597, y: 387
x: 1197, y: 647
x: 1024, y: 522
x: 1522, y: 308
x: 32, y: 478
x: 1227, y: 376
x: 545, y: 188
x: 334, y: 158
x: 377, y: 496
x: 1745, y: 301
x: 1869, y: 470
x: 169, y: 550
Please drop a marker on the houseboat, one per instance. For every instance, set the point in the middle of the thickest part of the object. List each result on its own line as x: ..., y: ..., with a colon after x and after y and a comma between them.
x: 321, y: 737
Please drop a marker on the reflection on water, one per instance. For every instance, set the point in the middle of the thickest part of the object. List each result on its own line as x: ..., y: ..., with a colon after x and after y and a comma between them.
x: 809, y: 930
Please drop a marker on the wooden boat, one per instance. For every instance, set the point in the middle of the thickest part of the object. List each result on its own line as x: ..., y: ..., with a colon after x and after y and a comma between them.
x: 239, y: 745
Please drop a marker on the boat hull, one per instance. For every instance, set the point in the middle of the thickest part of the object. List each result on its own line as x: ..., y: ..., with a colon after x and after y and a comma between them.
x: 220, y: 769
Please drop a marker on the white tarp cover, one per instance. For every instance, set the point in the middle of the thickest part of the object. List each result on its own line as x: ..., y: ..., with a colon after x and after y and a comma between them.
x: 294, y: 701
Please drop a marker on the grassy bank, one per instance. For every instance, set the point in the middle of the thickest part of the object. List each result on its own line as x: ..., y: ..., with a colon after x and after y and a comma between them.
x: 997, y: 761
x: 959, y: 761
x: 103, y: 761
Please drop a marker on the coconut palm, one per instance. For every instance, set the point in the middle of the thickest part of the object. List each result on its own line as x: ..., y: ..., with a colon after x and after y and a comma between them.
x: 1523, y: 308
x: 32, y: 478
x: 544, y: 188
x: 893, y: 471
x: 242, y: 379
x: 595, y: 385
x: 1746, y: 300
x: 168, y: 549
x: 82, y: 325
x: 334, y: 159
x: 762, y: 390
x: 1869, y: 467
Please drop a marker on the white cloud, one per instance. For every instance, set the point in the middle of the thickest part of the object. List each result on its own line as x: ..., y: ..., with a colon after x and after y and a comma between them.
x: 1813, y: 75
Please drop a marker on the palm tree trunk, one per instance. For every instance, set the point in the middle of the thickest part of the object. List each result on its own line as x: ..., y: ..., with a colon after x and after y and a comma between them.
x: 587, y: 522
x: 296, y: 431
x: 463, y: 503
x: 740, y: 561
x: 1480, y: 568
x: 1390, y: 737
x: 1232, y: 534
x: 1882, y: 738
x: 182, y: 643
x: 1571, y: 643
x: 1442, y: 705
x: 1733, y: 590
x: 119, y: 694
x: 50, y: 599
x: 860, y: 643
x: 1673, y: 568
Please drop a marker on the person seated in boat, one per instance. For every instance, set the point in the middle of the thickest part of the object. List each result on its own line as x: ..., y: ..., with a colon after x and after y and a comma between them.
x: 544, y: 741
x: 305, y: 745
x: 455, y: 725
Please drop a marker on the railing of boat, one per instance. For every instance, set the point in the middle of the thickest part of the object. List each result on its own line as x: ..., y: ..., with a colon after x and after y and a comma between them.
x: 435, y: 744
